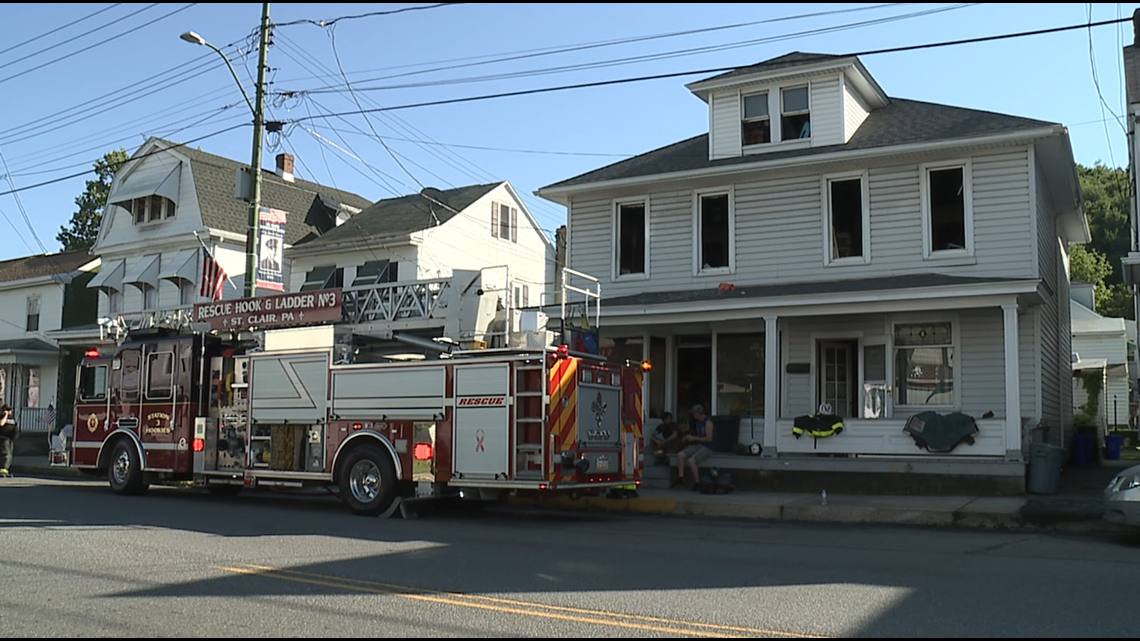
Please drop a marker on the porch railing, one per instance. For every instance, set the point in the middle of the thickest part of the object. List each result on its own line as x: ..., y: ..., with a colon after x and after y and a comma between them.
x: 33, y: 420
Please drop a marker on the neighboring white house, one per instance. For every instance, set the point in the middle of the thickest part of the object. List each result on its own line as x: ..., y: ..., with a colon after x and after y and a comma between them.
x: 165, y: 199
x: 38, y: 297
x: 1100, y: 344
x: 405, y: 263
x: 827, y: 243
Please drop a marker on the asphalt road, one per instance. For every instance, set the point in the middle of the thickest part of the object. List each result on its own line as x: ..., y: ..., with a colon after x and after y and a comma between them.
x: 78, y: 561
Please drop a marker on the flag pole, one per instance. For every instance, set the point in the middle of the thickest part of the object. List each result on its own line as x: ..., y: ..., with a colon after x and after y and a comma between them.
x: 211, y: 255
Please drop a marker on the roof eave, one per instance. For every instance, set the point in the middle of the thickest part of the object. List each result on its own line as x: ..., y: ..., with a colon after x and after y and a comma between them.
x: 562, y: 194
x: 702, y: 88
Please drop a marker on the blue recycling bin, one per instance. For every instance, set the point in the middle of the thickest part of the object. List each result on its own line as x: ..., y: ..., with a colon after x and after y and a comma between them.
x: 1084, y: 448
x: 1112, y: 446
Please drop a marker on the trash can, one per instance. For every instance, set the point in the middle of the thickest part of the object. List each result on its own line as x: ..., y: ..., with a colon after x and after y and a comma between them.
x: 1112, y: 446
x: 1084, y: 447
x: 1044, y: 472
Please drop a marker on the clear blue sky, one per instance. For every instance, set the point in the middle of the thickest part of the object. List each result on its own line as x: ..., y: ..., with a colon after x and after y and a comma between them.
x: 1048, y: 77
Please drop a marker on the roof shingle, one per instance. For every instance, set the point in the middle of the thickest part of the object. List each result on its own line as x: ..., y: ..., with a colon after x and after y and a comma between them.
x: 308, y: 214
x: 43, y: 265
x: 405, y: 215
x: 898, y: 123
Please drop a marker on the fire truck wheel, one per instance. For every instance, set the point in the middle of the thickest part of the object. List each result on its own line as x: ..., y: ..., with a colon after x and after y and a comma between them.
x: 125, y: 473
x: 367, y: 481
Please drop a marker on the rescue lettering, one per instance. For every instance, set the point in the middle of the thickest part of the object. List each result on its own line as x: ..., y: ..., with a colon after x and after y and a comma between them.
x: 483, y: 400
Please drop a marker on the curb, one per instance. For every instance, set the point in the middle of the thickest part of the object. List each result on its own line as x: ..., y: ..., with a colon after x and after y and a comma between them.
x: 49, y: 472
x: 963, y: 517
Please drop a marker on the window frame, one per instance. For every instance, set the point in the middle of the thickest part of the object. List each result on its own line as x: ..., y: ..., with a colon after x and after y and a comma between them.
x: 698, y: 241
x: 771, y: 128
x: 825, y: 187
x: 955, y: 345
x: 928, y: 253
x: 37, y: 302
x: 93, y: 367
x: 145, y: 214
x: 615, y: 241
x: 497, y: 209
x: 807, y: 88
x: 335, y: 273
x: 150, y: 396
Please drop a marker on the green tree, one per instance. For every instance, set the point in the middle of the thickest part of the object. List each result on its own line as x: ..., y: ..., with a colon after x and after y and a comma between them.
x: 1106, y: 195
x: 81, y: 231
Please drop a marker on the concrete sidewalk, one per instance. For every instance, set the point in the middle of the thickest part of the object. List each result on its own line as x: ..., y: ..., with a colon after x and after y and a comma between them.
x: 1077, y: 506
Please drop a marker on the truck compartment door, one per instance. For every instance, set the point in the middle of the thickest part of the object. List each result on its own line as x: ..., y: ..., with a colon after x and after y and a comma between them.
x: 289, y: 388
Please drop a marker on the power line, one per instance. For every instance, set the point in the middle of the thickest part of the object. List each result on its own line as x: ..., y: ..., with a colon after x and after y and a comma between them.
x: 53, y: 124
x: 82, y: 35
x: 101, y: 42
x: 663, y: 55
x: 336, y: 54
x: 620, y: 81
x: 84, y: 173
x: 548, y: 51
x: 330, y: 22
x: 73, y: 22
x: 406, y: 126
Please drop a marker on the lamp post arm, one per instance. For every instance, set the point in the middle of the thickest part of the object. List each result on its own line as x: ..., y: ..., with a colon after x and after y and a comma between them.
x: 236, y: 79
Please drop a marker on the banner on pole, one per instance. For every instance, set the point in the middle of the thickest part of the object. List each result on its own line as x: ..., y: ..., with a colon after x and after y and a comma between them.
x: 270, y: 261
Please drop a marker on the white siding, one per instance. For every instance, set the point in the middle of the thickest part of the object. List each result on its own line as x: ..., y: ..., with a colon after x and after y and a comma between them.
x: 590, y: 249
x: 119, y: 227
x: 980, y: 356
x: 855, y: 111
x: 13, y: 326
x: 465, y: 242
x: 724, y: 128
x: 827, y: 112
x: 779, y: 237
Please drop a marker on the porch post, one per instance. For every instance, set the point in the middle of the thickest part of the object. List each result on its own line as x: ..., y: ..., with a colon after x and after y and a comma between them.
x: 771, y: 383
x: 1012, y: 384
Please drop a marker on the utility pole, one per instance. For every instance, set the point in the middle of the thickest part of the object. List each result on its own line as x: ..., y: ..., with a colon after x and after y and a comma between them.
x: 251, y: 238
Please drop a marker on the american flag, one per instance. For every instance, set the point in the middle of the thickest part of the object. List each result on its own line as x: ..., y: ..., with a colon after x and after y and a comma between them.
x: 49, y: 418
x: 213, y: 276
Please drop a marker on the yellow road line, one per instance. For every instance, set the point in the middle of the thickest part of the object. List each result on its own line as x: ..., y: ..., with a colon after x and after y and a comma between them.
x: 513, y: 606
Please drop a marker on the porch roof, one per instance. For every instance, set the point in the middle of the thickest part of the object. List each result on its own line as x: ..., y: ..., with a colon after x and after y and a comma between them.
x: 820, y: 290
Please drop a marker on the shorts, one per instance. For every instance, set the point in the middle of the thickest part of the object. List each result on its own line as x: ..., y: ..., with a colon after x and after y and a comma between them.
x: 697, y: 453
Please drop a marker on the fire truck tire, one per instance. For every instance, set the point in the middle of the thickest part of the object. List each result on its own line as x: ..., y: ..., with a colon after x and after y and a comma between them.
x: 125, y: 472
x: 367, y: 481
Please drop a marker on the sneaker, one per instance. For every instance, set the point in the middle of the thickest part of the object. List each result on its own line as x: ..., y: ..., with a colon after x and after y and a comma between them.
x: 4, y: 473
x: 696, y: 487
x: 676, y: 482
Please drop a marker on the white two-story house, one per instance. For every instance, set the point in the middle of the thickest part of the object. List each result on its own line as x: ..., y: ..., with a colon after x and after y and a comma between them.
x: 406, y: 263
x: 40, y: 297
x: 825, y: 243
x: 168, y: 201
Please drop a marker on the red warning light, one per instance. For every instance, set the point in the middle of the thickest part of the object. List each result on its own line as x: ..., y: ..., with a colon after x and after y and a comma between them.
x: 563, y: 351
x: 358, y: 426
x: 424, y: 451
x: 199, y: 445
x: 92, y: 353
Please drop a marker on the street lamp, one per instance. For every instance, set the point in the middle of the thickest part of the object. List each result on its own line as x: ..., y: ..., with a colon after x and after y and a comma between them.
x: 251, y: 241
x: 194, y: 38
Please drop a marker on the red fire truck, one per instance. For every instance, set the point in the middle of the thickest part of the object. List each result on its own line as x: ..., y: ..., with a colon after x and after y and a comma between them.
x: 170, y: 406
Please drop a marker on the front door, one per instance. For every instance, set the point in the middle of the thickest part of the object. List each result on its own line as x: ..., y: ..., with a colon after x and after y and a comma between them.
x: 836, y: 383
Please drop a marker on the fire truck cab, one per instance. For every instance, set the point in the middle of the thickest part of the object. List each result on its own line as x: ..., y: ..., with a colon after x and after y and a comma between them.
x: 276, y: 411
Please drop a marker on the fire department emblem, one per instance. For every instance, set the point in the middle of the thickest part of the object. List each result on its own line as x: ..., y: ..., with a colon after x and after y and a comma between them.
x: 92, y: 423
x: 599, y: 406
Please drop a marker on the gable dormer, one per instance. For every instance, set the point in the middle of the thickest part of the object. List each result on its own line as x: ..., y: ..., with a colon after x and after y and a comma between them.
x: 795, y: 101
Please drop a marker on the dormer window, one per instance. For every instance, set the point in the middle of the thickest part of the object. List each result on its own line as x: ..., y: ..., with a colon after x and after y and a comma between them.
x: 757, y: 125
x: 149, y: 209
x: 795, y: 115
